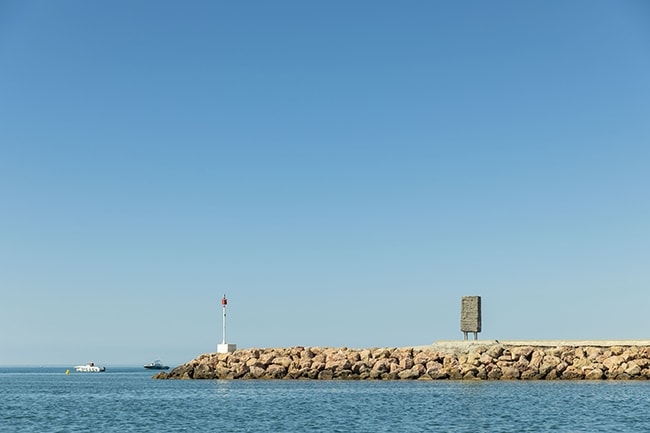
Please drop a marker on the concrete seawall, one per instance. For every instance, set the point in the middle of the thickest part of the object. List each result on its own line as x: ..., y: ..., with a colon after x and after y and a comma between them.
x: 454, y: 360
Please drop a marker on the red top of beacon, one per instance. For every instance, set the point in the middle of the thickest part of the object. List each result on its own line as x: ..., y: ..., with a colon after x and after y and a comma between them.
x: 224, y: 301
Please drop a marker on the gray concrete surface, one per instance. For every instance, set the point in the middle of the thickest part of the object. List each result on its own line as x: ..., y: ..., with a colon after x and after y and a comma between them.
x: 462, y: 346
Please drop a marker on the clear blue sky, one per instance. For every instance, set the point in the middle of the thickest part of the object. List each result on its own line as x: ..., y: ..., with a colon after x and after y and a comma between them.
x: 344, y: 171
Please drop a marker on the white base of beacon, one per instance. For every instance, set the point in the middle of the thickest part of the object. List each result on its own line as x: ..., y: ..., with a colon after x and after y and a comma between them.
x: 226, y: 348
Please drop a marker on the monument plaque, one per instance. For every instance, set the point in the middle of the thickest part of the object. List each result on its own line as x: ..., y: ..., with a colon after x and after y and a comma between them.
x: 470, y: 316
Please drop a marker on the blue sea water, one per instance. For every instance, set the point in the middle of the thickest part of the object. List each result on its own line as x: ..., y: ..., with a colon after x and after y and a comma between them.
x: 128, y: 400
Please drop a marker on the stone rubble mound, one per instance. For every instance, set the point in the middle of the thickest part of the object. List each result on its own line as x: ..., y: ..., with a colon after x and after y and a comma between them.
x: 489, y: 362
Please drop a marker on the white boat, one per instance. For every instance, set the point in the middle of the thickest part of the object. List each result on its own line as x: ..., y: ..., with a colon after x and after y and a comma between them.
x: 89, y: 368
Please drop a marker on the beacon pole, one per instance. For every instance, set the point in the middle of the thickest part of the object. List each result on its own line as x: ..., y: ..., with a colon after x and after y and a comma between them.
x: 224, y: 302
x: 225, y: 347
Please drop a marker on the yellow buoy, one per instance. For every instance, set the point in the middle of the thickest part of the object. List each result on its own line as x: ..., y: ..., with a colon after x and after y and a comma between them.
x: 67, y: 372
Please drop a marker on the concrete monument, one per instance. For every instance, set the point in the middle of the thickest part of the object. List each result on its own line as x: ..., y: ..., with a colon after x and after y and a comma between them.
x: 470, y: 316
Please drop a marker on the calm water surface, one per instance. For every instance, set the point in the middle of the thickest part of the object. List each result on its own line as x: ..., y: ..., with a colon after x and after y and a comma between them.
x: 128, y: 400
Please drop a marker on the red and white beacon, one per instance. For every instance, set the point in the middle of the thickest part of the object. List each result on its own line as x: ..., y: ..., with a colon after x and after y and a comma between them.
x: 225, y: 347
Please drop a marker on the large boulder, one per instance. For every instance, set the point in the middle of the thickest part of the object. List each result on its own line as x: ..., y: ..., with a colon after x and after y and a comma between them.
x: 284, y: 361
x: 510, y: 373
x: 632, y: 369
x: 613, y: 362
x: 203, y: 371
x: 410, y: 374
x: 185, y: 371
x: 549, y: 362
x: 594, y: 374
x: 572, y: 373
x: 275, y: 371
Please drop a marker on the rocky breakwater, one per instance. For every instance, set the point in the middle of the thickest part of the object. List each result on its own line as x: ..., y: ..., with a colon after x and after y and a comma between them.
x: 488, y: 362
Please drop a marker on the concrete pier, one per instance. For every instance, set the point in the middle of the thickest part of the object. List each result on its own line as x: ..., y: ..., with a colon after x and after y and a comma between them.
x: 466, y: 346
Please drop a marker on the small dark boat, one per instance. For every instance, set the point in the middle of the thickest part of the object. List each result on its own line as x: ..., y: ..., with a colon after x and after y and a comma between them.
x: 156, y: 365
